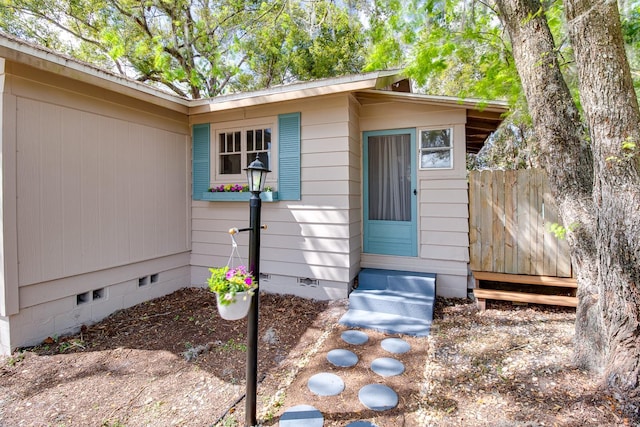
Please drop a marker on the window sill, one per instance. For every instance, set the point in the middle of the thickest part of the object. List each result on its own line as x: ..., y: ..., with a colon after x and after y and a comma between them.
x: 267, y: 196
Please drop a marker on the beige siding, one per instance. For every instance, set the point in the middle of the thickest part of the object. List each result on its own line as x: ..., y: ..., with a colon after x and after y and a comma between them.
x: 52, y: 315
x: 9, y: 296
x: 310, y: 238
x: 44, y: 292
x: 95, y: 192
x: 101, y: 190
x: 61, y: 90
x: 444, y: 215
x: 443, y: 241
x: 355, y: 184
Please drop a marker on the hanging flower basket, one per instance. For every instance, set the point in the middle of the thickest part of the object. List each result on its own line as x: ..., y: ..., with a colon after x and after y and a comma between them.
x: 237, y: 309
x: 234, y: 288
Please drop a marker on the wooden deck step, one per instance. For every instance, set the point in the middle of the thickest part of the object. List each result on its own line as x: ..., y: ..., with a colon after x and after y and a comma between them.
x: 564, y: 282
x: 484, y: 294
x: 491, y: 285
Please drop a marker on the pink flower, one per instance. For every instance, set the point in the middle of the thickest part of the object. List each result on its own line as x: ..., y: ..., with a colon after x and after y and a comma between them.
x: 248, y: 281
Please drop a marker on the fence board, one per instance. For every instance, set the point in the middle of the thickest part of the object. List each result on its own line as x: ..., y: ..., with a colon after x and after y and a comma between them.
x: 474, y: 239
x: 486, y: 217
x: 535, y: 209
x: 563, y: 267
x: 497, y: 225
x: 550, y: 242
x: 511, y: 224
x: 509, y: 217
x: 524, y: 224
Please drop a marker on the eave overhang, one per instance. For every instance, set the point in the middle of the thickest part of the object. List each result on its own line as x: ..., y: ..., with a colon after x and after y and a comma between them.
x: 296, y: 91
x: 483, y: 117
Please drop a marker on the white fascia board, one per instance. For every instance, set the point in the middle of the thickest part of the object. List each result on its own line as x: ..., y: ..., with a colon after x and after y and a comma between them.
x: 468, y: 103
x: 295, y: 91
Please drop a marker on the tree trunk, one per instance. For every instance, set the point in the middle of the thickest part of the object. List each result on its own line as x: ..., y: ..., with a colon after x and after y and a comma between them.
x: 596, y: 183
x: 566, y: 157
x: 611, y: 109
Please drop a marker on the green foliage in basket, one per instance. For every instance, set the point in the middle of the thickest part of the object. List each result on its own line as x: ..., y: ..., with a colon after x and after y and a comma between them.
x: 227, y: 282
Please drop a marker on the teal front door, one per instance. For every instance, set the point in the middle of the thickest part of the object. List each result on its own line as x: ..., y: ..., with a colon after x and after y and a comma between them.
x: 390, y: 196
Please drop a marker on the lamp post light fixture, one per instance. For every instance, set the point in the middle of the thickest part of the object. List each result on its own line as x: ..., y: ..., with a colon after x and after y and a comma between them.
x: 256, y: 177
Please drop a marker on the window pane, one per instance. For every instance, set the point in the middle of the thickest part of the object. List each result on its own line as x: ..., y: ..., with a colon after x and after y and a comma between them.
x: 229, y: 143
x: 436, y: 138
x: 249, y: 140
x: 222, y: 143
x: 390, y: 178
x: 238, y: 149
x: 230, y: 164
x: 259, y: 145
x: 435, y: 159
x: 264, y: 158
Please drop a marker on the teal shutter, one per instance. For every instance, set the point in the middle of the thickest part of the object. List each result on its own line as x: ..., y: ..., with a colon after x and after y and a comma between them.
x: 289, y: 156
x: 201, y: 159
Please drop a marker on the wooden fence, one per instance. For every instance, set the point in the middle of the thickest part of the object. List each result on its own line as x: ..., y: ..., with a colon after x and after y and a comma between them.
x: 509, y: 217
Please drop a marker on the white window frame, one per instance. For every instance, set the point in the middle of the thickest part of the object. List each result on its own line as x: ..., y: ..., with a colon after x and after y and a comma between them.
x: 422, y: 151
x: 242, y: 126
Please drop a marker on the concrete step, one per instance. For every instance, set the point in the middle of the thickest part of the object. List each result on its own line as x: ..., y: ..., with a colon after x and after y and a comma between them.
x: 392, y: 301
x: 395, y: 280
x: 384, y: 322
x: 407, y: 304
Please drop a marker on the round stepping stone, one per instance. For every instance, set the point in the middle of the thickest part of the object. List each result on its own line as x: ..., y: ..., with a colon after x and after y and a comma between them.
x: 387, y: 367
x: 361, y: 424
x: 378, y: 397
x: 342, y: 358
x: 395, y: 345
x: 301, y: 415
x: 325, y: 384
x: 354, y: 337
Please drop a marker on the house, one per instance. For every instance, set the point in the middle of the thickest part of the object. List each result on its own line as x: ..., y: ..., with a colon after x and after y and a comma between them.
x: 105, y: 200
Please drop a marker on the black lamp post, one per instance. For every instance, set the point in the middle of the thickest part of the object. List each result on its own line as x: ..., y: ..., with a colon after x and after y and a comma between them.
x: 256, y: 176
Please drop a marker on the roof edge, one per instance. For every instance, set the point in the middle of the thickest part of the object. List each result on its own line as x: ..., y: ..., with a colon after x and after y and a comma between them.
x: 293, y: 91
x: 16, y: 50
x: 495, y: 106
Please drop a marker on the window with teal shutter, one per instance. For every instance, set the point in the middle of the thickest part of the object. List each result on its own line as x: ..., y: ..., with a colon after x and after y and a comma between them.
x: 289, y: 156
x: 288, y: 187
x: 201, y: 159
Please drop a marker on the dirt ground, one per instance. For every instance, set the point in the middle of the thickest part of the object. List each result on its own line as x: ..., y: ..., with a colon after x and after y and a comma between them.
x: 174, y: 362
